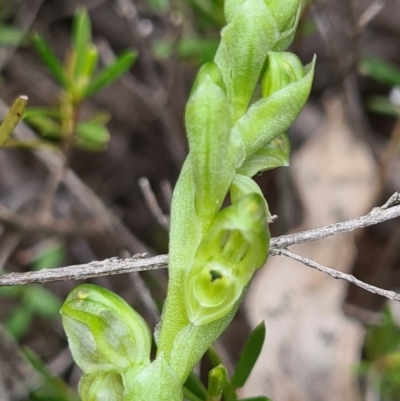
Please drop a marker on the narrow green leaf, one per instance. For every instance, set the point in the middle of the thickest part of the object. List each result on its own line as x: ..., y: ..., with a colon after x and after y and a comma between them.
x: 45, y: 126
x: 215, y: 358
x: 382, y: 71
x: 19, y: 322
x: 382, y: 105
x: 121, y: 65
x: 92, y: 135
x: 41, y: 301
x: 50, y: 60
x: 10, y: 36
x: 249, y: 356
x: 194, y: 385
x: 382, y: 339
x: 81, y: 39
x: 12, y: 119
x: 189, y: 395
x: 38, y: 111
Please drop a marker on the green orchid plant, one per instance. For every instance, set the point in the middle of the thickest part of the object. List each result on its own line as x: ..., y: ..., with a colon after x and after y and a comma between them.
x: 236, y: 117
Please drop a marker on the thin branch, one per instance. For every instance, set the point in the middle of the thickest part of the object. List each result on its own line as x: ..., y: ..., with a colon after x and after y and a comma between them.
x: 107, y: 267
x: 337, y: 274
x: 152, y: 203
x: 377, y: 215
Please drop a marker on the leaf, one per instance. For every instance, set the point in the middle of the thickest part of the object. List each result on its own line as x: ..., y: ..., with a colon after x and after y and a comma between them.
x: 41, y: 301
x: 45, y: 126
x: 382, y: 71
x: 249, y: 356
x: 10, y: 36
x: 382, y: 339
x: 121, y: 65
x: 92, y: 135
x: 53, y: 388
x: 51, y: 256
x: 195, y: 386
x: 50, y: 60
x: 19, y: 322
x: 81, y: 39
x: 12, y: 119
x: 382, y: 105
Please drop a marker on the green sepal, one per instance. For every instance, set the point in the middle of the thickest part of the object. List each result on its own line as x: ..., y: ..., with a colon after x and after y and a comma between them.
x: 101, y: 386
x: 104, y: 332
x: 156, y: 382
x: 208, y: 126
x: 245, y: 43
x: 275, y: 154
x: 235, y: 246
x: 271, y: 116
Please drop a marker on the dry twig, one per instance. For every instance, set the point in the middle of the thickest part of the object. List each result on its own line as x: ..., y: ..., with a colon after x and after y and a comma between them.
x: 151, y: 201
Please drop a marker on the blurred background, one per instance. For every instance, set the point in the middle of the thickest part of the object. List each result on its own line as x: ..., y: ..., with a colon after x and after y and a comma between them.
x: 79, y: 177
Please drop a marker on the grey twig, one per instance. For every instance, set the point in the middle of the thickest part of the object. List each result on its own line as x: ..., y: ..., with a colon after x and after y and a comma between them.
x: 151, y: 201
x: 107, y: 267
x: 337, y: 274
x: 390, y: 210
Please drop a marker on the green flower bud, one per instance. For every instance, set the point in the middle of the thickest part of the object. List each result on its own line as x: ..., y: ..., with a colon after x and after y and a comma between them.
x: 235, y: 246
x: 208, y: 126
x: 104, y: 333
x: 101, y: 386
x: 283, y: 68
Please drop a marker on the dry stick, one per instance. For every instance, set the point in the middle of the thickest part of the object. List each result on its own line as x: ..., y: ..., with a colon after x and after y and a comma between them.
x: 152, y: 203
x: 389, y: 211
x: 337, y: 274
